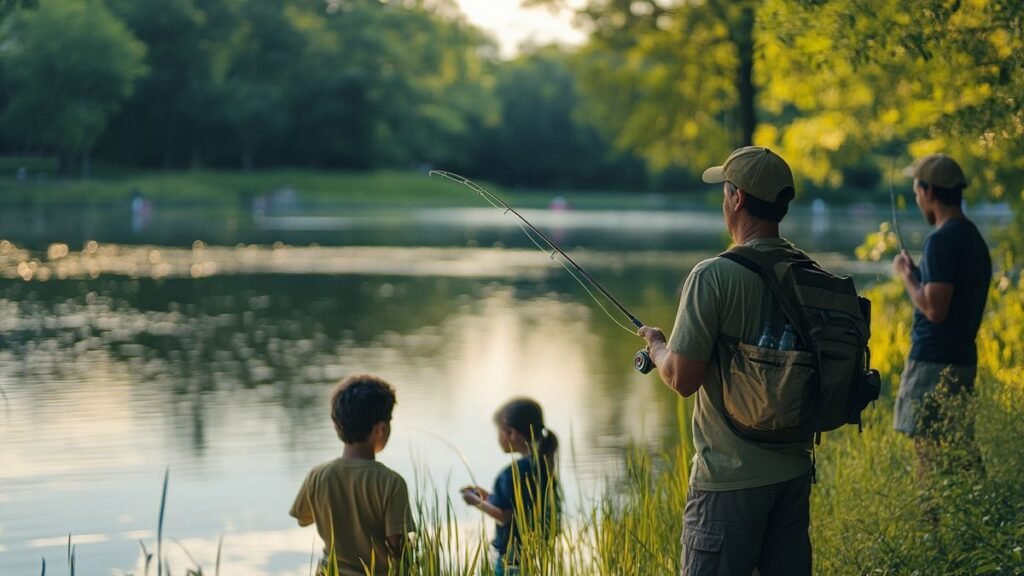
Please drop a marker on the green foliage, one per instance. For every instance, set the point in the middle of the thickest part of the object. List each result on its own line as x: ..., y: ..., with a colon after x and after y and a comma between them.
x: 926, y: 75
x: 175, y: 112
x: 352, y: 84
x: 540, y: 139
x: 661, y: 90
x: 835, y: 83
x: 661, y: 78
x: 9, y: 6
x: 69, y: 66
x: 876, y: 510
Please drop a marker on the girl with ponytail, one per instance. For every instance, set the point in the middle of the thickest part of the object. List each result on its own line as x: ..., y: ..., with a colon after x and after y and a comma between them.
x: 525, y: 498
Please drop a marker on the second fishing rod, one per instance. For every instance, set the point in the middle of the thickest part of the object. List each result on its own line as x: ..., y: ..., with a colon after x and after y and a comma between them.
x: 642, y: 359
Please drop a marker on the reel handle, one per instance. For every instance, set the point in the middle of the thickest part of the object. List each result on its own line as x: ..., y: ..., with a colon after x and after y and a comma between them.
x: 642, y: 361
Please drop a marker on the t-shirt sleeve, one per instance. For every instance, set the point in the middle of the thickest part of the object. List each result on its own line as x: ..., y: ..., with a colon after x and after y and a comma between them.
x: 938, y: 262
x: 697, y: 319
x: 302, y: 509
x: 503, y: 494
x: 398, y: 520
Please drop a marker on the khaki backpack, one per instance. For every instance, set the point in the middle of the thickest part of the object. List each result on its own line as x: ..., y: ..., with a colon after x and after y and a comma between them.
x: 772, y: 395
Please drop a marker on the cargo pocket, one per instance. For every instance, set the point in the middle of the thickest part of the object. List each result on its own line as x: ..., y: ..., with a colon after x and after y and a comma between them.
x: 701, y: 551
x: 766, y: 388
x: 702, y: 539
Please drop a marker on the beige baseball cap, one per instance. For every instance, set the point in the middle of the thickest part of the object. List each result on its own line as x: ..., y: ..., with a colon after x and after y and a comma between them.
x: 755, y: 169
x: 937, y: 170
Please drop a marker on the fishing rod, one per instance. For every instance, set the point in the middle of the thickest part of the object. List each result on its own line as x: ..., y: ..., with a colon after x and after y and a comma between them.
x: 892, y: 200
x: 642, y: 359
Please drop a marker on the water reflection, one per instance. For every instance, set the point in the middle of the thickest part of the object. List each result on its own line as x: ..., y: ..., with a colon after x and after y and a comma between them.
x: 224, y: 377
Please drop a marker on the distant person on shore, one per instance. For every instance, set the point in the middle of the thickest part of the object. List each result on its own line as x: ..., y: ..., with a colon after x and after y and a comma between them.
x: 142, y: 211
x: 948, y: 292
x: 360, y: 506
x: 532, y: 477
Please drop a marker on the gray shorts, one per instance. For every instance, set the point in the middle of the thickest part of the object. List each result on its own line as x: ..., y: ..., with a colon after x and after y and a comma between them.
x: 732, y: 532
x: 919, y: 379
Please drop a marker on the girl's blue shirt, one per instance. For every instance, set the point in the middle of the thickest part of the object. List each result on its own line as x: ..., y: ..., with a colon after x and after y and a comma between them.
x: 504, y: 496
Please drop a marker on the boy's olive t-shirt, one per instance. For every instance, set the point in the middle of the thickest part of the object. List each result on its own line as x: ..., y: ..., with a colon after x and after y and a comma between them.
x: 721, y: 298
x: 356, y: 504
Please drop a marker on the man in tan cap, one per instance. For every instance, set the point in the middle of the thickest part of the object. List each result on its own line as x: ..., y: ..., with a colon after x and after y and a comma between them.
x: 748, y: 503
x: 948, y: 292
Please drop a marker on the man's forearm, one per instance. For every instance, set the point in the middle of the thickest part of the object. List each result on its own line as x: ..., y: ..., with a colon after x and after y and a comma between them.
x: 933, y: 300
x: 915, y: 291
x: 660, y: 355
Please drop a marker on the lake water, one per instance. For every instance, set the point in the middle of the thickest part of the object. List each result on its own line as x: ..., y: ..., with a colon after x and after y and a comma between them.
x: 205, y: 341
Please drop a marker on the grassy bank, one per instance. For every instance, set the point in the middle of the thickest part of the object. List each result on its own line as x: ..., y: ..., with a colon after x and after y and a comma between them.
x: 41, y: 184
x: 377, y: 188
x: 229, y: 187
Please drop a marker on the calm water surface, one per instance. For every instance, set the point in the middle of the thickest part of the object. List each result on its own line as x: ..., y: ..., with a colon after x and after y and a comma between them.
x: 127, y: 348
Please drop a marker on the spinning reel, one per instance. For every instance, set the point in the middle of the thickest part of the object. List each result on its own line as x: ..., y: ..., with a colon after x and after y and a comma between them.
x: 642, y: 361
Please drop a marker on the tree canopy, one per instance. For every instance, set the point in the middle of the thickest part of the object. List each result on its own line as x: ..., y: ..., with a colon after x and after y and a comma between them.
x: 834, y: 85
x: 917, y: 76
x: 70, y: 65
x: 840, y: 88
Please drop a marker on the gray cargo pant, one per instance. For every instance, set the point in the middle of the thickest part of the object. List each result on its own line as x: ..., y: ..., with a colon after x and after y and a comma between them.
x: 918, y: 381
x: 732, y: 532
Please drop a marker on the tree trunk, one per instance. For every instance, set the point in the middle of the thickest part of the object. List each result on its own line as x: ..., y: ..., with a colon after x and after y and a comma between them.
x: 66, y: 159
x: 196, y: 163
x: 743, y: 36
x: 247, y: 158
x: 86, y: 165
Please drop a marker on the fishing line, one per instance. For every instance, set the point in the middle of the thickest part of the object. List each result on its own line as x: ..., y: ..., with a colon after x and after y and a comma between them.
x: 456, y: 449
x: 892, y: 200
x: 642, y: 359
x: 533, y: 234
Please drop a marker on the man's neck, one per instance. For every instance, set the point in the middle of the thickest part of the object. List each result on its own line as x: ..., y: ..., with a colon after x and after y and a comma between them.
x: 944, y: 213
x: 359, y: 451
x: 752, y: 229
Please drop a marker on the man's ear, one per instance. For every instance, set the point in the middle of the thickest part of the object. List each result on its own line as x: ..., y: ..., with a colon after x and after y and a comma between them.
x: 925, y: 191
x: 928, y: 192
x: 740, y: 199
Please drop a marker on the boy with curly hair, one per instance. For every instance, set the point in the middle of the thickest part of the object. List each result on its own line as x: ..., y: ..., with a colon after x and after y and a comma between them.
x: 360, y: 506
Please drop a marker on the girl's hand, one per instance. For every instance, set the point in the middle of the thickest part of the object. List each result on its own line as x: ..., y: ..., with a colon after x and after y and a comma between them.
x: 474, y: 495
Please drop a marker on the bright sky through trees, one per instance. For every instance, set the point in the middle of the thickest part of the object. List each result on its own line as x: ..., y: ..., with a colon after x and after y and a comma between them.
x: 511, y: 24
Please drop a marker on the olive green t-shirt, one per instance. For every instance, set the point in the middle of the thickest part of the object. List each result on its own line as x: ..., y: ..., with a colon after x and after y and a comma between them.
x: 356, y: 504
x: 722, y: 299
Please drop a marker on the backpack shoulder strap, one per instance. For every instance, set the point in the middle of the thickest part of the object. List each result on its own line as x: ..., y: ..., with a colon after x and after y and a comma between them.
x: 763, y: 264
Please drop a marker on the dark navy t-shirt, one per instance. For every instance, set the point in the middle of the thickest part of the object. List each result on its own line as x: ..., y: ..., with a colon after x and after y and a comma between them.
x: 954, y: 254
x: 504, y: 496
